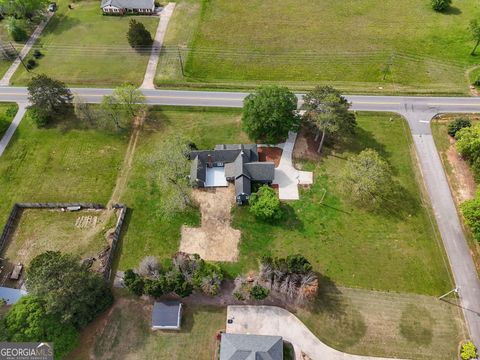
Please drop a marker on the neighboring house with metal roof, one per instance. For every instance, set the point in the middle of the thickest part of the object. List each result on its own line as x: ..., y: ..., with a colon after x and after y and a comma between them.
x: 121, y: 7
x: 166, y: 315
x: 250, y: 347
x: 10, y: 295
x: 237, y: 163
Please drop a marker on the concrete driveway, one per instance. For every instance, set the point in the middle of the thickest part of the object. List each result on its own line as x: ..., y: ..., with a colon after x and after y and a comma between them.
x: 271, y: 320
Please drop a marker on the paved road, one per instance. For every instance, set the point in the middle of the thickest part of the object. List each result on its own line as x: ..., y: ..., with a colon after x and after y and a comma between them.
x: 418, y: 111
x: 275, y: 321
x: 13, y: 126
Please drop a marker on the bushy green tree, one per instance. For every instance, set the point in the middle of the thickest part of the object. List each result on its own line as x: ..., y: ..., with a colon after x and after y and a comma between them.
x: 457, y: 124
x: 270, y: 113
x: 48, y: 97
x: 298, y: 264
x: 138, y: 36
x: 25, y: 9
x: 367, y: 179
x: 471, y: 213
x: 440, y: 5
x: 259, y: 292
x: 134, y: 282
x: 468, y: 145
x: 28, y: 320
x: 265, y: 204
x: 70, y: 291
x: 328, y: 111
x: 468, y: 351
x: 16, y: 29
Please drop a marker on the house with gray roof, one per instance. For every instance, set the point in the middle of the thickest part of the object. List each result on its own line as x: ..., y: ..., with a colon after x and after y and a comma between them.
x: 230, y: 163
x: 250, y: 347
x: 166, y: 315
x: 122, y: 7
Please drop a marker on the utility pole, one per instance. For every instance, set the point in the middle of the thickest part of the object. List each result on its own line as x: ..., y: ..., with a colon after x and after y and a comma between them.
x: 448, y: 293
x: 19, y: 57
x: 181, y: 60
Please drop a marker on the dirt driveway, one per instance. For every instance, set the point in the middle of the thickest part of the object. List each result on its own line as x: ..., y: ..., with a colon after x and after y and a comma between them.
x: 215, y: 239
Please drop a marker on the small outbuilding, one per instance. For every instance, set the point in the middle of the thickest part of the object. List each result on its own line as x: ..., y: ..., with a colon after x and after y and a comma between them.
x: 166, y: 315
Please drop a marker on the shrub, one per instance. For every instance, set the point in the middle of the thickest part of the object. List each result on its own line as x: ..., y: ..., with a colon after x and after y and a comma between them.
x: 258, y: 292
x: 458, y: 124
x: 440, y: 5
x: 15, y: 29
x: 471, y: 213
x: 11, y: 111
x: 38, y: 117
x: 468, y: 145
x: 155, y: 288
x: 37, y: 54
x: 264, y: 204
x: 31, y: 64
x: 468, y: 351
x: 134, y: 283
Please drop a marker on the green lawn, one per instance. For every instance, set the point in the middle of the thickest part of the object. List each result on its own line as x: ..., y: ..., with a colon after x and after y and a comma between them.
x: 83, y: 47
x: 345, y: 243
x: 230, y: 43
x: 148, y: 233
x: 407, y: 326
x: 7, y: 113
x: 127, y: 335
x: 396, y: 249
x: 59, y: 163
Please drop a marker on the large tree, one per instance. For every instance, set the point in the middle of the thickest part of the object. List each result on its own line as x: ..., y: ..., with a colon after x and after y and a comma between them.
x: 329, y: 112
x: 265, y: 204
x: 138, y: 36
x: 170, y: 167
x: 120, y: 108
x: 270, y: 113
x: 47, y: 96
x: 70, y: 290
x: 28, y: 320
x: 475, y: 33
x: 468, y: 145
x: 23, y: 8
x: 367, y: 179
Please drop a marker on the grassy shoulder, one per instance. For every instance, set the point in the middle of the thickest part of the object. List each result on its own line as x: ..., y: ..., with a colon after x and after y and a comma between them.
x: 83, y: 47
x: 59, y: 163
x: 459, y: 175
x: 413, y: 49
x: 7, y: 113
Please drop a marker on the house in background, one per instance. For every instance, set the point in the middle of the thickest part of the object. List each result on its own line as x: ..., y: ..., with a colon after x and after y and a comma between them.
x: 250, y: 347
x: 237, y: 163
x: 166, y: 315
x: 122, y: 7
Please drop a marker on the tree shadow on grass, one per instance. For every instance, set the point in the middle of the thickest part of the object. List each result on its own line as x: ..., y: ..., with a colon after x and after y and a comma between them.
x: 417, y: 324
x: 60, y: 24
x: 452, y: 10
x: 290, y: 219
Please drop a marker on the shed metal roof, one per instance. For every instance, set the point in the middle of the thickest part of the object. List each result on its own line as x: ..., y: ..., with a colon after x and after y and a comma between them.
x: 166, y: 315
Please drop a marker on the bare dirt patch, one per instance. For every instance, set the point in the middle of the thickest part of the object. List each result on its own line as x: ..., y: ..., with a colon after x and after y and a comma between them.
x: 306, y: 146
x: 463, y: 175
x: 215, y: 239
x: 267, y: 153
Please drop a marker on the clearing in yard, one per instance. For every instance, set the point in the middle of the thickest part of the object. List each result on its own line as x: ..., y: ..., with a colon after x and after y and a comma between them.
x: 83, y: 47
x: 215, y: 239
x: 125, y: 333
x: 81, y: 233
x: 384, y: 47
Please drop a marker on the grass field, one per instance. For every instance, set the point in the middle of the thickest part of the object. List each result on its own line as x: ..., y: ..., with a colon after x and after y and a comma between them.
x: 343, y: 242
x: 352, y: 45
x: 386, y: 324
x: 127, y: 335
x: 83, y: 47
x: 59, y: 163
x: 7, y: 113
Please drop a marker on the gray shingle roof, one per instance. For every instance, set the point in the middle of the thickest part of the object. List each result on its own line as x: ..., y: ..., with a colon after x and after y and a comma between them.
x: 251, y: 347
x: 166, y: 315
x: 240, y: 160
x: 129, y: 4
